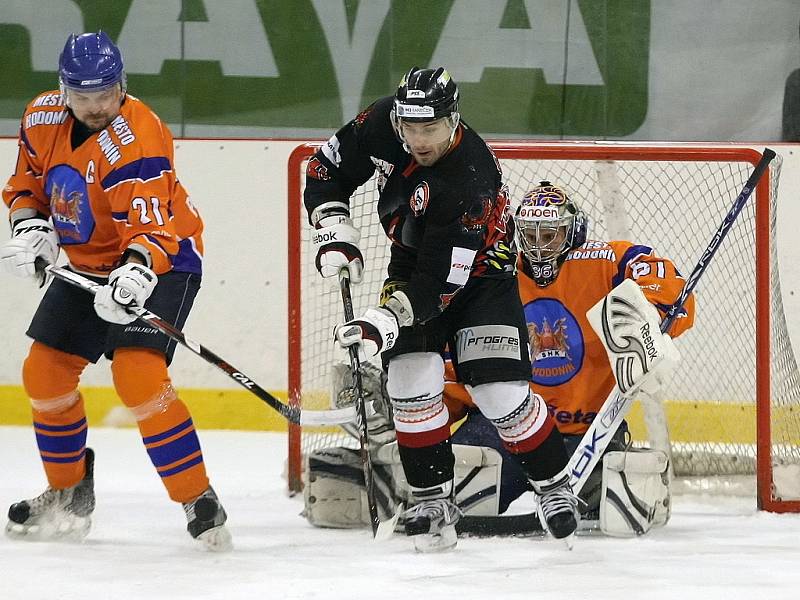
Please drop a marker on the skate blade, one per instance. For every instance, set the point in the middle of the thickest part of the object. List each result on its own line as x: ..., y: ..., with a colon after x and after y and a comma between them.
x: 59, y: 528
x: 386, y: 528
x: 217, y: 539
x: 443, y: 541
x: 569, y: 541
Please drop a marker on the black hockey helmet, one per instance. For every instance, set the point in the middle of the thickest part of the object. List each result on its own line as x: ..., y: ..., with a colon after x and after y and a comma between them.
x: 425, y: 95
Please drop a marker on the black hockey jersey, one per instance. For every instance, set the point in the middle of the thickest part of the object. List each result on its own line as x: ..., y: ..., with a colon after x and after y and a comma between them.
x: 448, y: 223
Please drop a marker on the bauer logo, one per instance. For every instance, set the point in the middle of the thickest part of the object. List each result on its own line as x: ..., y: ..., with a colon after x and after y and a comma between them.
x: 487, y: 341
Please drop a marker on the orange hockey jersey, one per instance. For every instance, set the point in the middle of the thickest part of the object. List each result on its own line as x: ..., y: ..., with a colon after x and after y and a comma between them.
x: 570, y: 367
x: 118, y: 189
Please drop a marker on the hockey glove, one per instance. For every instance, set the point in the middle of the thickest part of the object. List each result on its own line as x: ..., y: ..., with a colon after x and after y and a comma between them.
x: 30, y: 239
x: 641, y: 357
x: 128, y: 286
x: 376, y: 331
x: 336, y: 242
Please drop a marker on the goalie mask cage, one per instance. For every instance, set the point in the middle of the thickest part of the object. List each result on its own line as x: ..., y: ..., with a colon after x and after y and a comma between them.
x: 732, y: 405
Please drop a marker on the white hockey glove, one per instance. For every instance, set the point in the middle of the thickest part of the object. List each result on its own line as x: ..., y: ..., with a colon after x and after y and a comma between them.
x: 336, y: 243
x: 641, y: 357
x: 375, y: 331
x: 30, y: 239
x: 128, y: 286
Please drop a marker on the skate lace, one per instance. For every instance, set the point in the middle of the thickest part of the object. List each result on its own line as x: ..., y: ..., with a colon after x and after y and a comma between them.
x: 558, y: 501
x: 44, y: 500
x: 439, y: 510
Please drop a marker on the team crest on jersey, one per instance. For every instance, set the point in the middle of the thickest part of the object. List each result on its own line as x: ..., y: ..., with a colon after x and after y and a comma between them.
x: 69, y: 205
x: 316, y: 170
x: 419, y: 199
x: 557, y: 347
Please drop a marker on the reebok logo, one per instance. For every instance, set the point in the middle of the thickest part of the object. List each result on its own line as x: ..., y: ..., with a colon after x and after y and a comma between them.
x: 322, y: 238
x: 649, y: 344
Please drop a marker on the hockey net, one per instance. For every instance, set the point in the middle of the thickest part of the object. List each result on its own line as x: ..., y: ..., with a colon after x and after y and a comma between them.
x: 732, y: 407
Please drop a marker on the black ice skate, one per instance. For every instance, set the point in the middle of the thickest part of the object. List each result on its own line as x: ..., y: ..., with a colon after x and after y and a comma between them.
x: 56, y: 514
x: 557, y: 507
x: 206, y: 521
x: 432, y: 523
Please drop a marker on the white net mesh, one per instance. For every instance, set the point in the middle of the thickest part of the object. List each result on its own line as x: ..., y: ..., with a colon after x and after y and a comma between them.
x: 675, y: 206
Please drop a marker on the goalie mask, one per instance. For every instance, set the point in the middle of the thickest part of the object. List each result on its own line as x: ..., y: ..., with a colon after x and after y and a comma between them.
x: 426, y: 95
x: 548, y: 225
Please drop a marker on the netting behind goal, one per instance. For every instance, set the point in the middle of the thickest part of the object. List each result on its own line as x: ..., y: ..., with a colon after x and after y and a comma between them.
x: 732, y: 406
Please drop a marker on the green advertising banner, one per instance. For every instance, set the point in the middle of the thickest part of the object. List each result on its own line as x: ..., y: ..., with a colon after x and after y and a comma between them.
x: 556, y: 68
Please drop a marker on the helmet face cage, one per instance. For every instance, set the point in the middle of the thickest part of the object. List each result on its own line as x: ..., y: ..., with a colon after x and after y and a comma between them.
x: 425, y: 95
x: 90, y: 62
x: 548, y: 225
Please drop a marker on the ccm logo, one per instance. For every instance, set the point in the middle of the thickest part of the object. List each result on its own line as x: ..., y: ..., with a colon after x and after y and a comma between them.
x: 461, y: 266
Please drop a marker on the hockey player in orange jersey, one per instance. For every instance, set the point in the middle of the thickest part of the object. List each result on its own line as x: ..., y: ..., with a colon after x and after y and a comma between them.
x: 95, y: 176
x: 562, y: 275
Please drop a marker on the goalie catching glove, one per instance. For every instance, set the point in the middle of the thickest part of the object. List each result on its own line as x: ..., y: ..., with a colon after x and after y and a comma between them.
x: 336, y: 242
x: 31, y: 239
x: 129, y: 286
x: 641, y: 357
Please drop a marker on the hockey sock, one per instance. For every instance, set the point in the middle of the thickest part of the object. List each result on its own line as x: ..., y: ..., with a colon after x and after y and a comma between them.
x: 168, y: 433
x: 50, y: 378
x: 427, y: 466
x: 546, y: 459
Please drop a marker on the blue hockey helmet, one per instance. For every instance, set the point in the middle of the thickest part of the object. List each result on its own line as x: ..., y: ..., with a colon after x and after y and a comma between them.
x: 90, y: 62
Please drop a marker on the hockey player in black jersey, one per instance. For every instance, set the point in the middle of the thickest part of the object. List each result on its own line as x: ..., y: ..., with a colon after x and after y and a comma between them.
x: 451, y: 280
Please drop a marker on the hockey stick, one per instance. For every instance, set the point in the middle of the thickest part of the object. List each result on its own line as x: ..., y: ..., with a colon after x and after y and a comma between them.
x: 616, y: 406
x: 292, y: 414
x: 380, y: 529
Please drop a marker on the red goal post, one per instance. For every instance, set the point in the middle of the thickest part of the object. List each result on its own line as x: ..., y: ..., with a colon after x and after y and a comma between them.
x: 732, y: 409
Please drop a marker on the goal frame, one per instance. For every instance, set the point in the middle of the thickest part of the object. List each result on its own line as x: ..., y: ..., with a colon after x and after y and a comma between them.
x: 765, y: 497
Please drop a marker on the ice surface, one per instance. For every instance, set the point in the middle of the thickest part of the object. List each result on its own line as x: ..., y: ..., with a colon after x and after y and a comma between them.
x: 713, y: 548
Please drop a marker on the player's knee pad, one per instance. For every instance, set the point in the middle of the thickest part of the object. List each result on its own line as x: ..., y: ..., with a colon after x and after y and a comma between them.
x: 635, y: 494
x: 415, y: 385
x: 51, y: 377
x: 516, y: 412
x: 142, y: 381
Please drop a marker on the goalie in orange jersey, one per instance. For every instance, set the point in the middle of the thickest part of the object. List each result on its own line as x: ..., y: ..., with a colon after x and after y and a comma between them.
x: 562, y: 276
x: 95, y: 175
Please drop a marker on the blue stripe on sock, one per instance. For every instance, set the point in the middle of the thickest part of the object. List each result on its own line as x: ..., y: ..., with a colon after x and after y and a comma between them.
x: 55, y: 428
x: 61, y: 444
x: 64, y: 459
x: 169, y: 433
x: 175, y: 450
x: 183, y: 467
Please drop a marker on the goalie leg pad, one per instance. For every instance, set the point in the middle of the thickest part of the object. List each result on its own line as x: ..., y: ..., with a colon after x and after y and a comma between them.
x: 635, y: 496
x: 334, y: 493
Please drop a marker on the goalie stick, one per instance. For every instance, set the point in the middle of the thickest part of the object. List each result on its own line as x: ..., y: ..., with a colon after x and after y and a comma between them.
x: 381, y: 530
x: 616, y: 406
x: 292, y: 414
